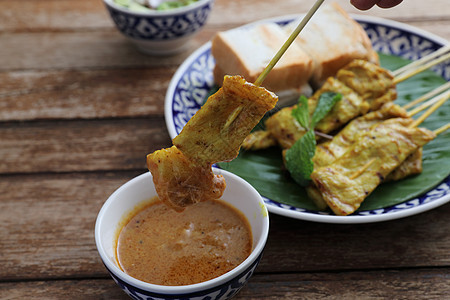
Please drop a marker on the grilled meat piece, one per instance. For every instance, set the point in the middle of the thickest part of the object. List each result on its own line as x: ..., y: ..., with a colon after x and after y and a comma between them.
x: 351, y: 178
x: 284, y: 128
x: 370, y: 81
x: 180, y: 181
x: 329, y: 151
x: 215, y: 133
x: 349, y: 107
x: 182, y: 174
x: 257, y: 140
x: 412, y: 165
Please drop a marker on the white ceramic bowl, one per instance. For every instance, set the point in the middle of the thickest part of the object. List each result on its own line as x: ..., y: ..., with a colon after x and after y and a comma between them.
x: 160, y: 32
x: 238, y: 193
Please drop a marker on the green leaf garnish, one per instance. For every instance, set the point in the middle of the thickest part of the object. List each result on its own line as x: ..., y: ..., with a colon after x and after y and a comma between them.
x: 299, y: 157
x: 326, y: 102
x: 301, y: 112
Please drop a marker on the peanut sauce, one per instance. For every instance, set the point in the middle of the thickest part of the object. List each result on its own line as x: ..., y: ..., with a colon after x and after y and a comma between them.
x: 161, y: 246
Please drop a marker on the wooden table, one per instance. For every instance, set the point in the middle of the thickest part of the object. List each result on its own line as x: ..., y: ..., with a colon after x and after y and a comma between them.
x: 79, y: 110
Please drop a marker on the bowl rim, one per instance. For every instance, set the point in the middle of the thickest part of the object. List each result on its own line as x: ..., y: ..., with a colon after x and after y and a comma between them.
x: 191, y: 288
x: 154, y: 13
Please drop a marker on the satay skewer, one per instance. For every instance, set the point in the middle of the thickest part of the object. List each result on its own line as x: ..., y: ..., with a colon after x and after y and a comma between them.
x: 348, y: 135
x: 412, y: 125
x: 258, y: 141
x: 438, y: 131
x: 328, y: 179
x: 409, y: 113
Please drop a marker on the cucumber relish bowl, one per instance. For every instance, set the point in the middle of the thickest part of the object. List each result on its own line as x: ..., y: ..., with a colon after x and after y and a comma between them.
x: 160, y: 32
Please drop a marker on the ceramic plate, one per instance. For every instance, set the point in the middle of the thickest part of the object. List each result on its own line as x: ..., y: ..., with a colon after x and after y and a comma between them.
x: 194, y: 79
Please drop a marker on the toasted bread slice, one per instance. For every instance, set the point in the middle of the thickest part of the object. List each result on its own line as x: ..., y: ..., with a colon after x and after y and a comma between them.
x: 247, y: 51
x: 332, y: 39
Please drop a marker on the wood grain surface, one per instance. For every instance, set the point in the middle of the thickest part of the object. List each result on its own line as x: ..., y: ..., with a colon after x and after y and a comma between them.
x: 80, y: 108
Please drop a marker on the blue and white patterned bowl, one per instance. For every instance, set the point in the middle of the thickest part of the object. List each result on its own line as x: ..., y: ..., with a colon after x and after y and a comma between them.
x: 160, y: 32
x: 140, y: 189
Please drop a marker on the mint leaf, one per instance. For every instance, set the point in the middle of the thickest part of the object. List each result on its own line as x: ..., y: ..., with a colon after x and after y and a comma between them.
x: 299, y: 158
x: 301, y: 112
x: 326, y: 102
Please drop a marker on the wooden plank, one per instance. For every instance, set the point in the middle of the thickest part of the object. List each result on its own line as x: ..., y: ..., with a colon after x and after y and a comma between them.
x: 135, y: 87
x: 77, y: 50
x: 412, y: 241
x: 53, y: 15
x: 90, y: 289
x: 405, y: 284
x: 408, y: 11
x: 80, y: 145
x: 105, y: 49
x: 47, y: 224
x: 47, y: 228
x: 30, y: 95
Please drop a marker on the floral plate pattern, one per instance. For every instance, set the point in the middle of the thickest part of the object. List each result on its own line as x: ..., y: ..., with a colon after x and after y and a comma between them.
x: 194, y: 79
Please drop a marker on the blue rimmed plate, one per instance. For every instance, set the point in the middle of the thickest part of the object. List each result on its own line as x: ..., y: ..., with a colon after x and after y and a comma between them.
x: 193, y: 81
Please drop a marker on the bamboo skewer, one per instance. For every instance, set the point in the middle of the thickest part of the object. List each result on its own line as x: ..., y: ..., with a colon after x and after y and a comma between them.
x: 423, y: 60
x: 428, y: 112
x: 442, y: 129
x: 363, y: 169
x: 288, y: 42
x: 430, y: 102
x: 405, y: 75
x: 428, y: 95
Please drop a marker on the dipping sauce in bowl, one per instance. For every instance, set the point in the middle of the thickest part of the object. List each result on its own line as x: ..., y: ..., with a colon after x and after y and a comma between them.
x: 139, y: 193
x: 161, y: 246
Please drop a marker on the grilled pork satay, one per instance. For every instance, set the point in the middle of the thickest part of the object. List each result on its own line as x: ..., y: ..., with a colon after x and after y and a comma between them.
x: 259, y: 139
x: 412, y: 165
x: 328, y: 152
x: 215, y: 133
x: 349, y: 107
x: 180, y: 182
x: 373, y: 83
x: 182, y: 174
x: 364, y: 87
x: 286, y: 130
x: 376, y: 154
